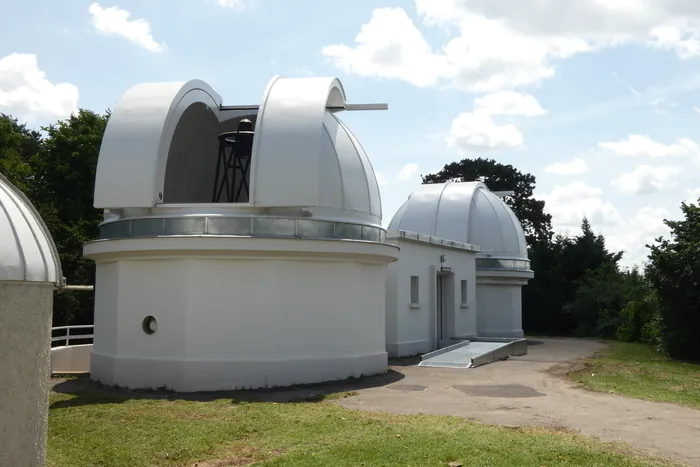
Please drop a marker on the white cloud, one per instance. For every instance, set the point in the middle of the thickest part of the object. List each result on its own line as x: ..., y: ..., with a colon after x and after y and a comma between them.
x: 693, y: 196
x: 381, y: 179
x: 390, y: 46
x: 645, y: 180
x: 569, y: 204
x: 640, y: 230
x: 408, y: 171
x: 27, y: 94
x: 477, y: 131
x: 510, y: 103
x: 696, y: 109
x: 576, y: 166
x: 643, y: 146
x: 506, y: 44
x: 114, y: 21
x: 235, y: 4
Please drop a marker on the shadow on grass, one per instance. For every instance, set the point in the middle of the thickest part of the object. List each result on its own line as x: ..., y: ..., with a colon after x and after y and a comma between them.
x: 88, y: 392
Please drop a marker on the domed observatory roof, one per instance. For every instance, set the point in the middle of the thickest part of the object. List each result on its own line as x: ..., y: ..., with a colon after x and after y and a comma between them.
x: 175, y: 160
x: 466, y: 212
x: 27, y: 251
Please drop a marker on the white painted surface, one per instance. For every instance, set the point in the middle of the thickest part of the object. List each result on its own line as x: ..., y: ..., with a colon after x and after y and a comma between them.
x: 238, y: 312
x: 135, y: 146
x: 160, y: 146
x: 303, y: 155
x: 466, y: 212
x: 499, y: 299
x: 412, y: 328
x: 27, y: 251
x: 71, y: 358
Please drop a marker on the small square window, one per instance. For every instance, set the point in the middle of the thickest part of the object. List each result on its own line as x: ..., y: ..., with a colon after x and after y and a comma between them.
x: 415, y: 295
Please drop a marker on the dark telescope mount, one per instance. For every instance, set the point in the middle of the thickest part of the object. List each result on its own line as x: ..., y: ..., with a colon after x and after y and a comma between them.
x: 232, y: 179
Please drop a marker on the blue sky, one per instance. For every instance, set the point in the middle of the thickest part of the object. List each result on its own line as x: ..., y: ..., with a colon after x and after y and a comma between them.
x: 597, y: 99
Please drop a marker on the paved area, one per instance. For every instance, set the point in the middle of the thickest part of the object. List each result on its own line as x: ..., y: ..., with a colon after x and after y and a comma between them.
x: 530, y: 390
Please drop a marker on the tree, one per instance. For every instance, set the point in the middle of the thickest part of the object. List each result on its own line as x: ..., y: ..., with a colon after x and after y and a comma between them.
x: 674, y: 273
x: 549, y: 291
x: 17, y: 146
x: 602, y: 296
x: 499, y: 177
x: 554, y: 301
x: 64, y: 170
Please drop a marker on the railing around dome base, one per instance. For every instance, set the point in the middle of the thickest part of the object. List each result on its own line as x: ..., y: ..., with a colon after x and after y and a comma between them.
x: 497, y: 264
x: 262, y: 227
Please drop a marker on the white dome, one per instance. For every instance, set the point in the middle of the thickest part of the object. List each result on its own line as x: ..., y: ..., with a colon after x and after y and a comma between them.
x: 160, y: 147
x: 27, y: 251
x: 304, y: 156
x: 465, y: 212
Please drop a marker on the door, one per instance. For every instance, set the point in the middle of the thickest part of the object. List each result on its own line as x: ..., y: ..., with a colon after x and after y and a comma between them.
x: 440, y: 310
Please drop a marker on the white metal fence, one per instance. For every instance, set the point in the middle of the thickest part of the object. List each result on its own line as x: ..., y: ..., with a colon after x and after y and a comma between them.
x: 79, y: 334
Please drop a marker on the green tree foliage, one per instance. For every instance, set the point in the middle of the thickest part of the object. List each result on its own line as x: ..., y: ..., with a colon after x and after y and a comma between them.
x: 600, y: 298
x: 17, y: 146
x: 562, y: 267
x: 537, y: 224
x: 57, y: 173
x: 546, y: 294
x: 674, y: 273
x: 640, y: 322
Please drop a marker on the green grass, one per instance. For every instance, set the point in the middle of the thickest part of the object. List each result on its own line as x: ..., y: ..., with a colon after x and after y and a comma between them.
x: 637, y: 370
x: 96, y: 427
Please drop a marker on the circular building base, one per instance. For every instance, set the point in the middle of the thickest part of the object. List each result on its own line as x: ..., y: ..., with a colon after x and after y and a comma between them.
x: 222, y: 313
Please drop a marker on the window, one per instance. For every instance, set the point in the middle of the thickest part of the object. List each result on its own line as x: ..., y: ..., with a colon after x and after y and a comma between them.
x: 415, y: 296
x: 463, y: 293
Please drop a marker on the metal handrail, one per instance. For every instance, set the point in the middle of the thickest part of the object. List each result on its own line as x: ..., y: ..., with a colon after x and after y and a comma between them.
x: 75, y: 337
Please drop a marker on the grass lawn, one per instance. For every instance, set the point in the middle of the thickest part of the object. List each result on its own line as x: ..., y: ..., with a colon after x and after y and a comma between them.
x: 90, y: 426
x: 636, y: 370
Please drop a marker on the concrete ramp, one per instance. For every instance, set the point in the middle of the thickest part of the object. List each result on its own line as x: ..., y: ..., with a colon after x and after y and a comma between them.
x: 470, y: 354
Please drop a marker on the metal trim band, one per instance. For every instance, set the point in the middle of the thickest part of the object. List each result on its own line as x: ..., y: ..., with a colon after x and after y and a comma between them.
x: 265, y: 227
x: 492, y: 264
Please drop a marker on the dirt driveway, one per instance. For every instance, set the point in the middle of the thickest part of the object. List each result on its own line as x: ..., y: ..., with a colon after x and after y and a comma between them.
x: 529, y: 390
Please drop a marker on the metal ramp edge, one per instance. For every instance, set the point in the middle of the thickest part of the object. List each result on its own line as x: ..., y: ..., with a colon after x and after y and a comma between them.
x: 471, y: 354
x: 444, y: 350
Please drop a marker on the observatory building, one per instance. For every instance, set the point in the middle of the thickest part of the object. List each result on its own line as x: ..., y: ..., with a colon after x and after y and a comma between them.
x: 462, y: 265
x: 241, y: 246
x: 30, y: 270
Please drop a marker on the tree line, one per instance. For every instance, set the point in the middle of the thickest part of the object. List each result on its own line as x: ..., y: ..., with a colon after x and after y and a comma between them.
x: 579, y: 288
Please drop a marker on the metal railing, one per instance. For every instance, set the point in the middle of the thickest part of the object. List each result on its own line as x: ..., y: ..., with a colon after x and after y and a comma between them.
x: 79, y: 334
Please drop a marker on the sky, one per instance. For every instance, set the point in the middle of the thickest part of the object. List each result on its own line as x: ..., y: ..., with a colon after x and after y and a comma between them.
x: 598, y: 99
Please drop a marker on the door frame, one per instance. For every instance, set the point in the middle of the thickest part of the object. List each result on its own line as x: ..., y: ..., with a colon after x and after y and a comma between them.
x: 443, y: 300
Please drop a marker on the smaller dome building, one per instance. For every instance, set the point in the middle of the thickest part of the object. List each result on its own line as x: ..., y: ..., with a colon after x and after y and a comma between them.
x: 462, y: 264
x: 30, y: 270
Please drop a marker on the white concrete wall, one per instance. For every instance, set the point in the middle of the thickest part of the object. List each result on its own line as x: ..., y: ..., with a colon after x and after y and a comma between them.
x: 411, y: 329
x: 25, y: 332
x: 500, y: 308
x: 259, y: 319
x: 71, y: 358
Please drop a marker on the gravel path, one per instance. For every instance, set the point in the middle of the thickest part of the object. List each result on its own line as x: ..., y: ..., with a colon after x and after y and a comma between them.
x: 530, y: 390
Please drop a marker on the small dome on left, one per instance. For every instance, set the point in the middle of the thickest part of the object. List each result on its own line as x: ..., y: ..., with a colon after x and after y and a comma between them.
x: 27, y: 251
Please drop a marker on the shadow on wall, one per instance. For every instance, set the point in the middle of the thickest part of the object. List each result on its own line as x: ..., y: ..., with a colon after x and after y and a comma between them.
x: 87, y: 392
